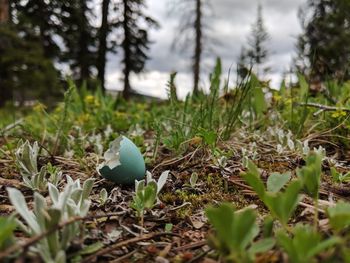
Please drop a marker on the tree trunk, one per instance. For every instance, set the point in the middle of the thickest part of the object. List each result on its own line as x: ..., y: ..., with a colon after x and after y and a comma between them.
x: 126, y: 49
x: 198, y: 46
x: 83, y: 49
x: 102, y: 49
x: 4, y: 11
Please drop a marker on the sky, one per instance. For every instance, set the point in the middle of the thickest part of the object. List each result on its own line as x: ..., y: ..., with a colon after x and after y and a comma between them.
x: 230, y: 25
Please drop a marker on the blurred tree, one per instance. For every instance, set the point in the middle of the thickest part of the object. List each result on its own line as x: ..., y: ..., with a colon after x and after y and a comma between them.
x: 79, y: 37
x: 4, y: 11
x: 25, y: 73
x: 324, y: 46
x: 6, y: 93
x: 40, y: 19
x: 103, y: 32
x: 135, y: 39
x: 242, y: 65
x: 198, y: 46
x: 192, y: 29
x: 257, y: 52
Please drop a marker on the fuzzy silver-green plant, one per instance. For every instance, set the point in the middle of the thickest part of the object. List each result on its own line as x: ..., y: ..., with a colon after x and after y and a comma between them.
x: 71, y: 202
x: 27, y: 162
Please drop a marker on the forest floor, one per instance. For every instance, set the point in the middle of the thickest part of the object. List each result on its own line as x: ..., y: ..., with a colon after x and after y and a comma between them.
x: 176, y: 229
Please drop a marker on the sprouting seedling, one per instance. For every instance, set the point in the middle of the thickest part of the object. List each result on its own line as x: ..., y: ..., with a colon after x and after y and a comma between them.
x: 146, y: 193
x: 310, y: 176
x: 339, y: 216
x: 103, y: 197
x: 339, y: 177
x: 7, y: 227
x: 281, y: 204
x: 235, y: 232
x: 304, y: 244
x: 193, y: 180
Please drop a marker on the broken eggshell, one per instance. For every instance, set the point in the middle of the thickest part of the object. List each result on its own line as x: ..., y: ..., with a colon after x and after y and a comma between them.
x: 123, y: 163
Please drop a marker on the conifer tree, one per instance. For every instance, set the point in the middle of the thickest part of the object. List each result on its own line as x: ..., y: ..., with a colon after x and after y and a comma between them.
x: 40, y: 19
x: 257, y: 52
x: 103, y: 33
x: 193, y: 31
x: 79, y: 37
x: 4, y: 11
x: 135, y: 42
x: 25, y: 71
x: 324, y: 46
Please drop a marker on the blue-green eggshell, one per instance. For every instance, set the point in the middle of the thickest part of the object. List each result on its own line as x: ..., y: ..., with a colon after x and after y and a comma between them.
x: 132, y: 165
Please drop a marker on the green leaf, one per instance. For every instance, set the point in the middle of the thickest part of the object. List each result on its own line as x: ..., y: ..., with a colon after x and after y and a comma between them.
x: 53, y: 240
x: 7, y: 227
x: 339, y: 216
x: 252, y: 177
x: 87, y: 188
x: 209, y: 137
x: 305, y: 243
x: 103, y: 196
x: 53, y: 192
x: 304, y: 87
x: 150, y: 195
x: 268, y: 226
x: 277, y: 181
x: 91, y: 248
x: 335, y: 175
x: 262, y: 245
x: 310, y: 174
x: 20, y: 204
x: 258, y: 101
x: 40, y: 208
x: 168, y: 227
x: 282, y: 205
x: 234, y: 230
x: 193, y: 179
x: 162, y: 180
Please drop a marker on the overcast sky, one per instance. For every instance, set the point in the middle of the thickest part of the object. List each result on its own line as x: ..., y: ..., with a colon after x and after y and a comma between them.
x: 230, y: 26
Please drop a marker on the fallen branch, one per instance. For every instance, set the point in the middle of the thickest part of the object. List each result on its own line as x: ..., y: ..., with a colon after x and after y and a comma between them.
x: 125, y: 243
x: 31, y: 241
x: 323, y: 107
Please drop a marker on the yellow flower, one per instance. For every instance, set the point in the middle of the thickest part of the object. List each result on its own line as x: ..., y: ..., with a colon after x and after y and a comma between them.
x: 338, y: 114
x: 39, y: 107
x: 83, y: 118
x: 120, y: 115
x: 89, y: 99
x: 277, y: 97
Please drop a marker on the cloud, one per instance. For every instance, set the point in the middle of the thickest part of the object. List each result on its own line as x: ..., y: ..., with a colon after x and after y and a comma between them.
x: 230, y: 25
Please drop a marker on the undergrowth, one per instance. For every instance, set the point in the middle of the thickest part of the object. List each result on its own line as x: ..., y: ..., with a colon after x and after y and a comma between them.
x: 265, y: 170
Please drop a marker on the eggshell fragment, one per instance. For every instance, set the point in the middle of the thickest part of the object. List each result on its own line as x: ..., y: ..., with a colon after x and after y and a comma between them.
x: 123, y: 163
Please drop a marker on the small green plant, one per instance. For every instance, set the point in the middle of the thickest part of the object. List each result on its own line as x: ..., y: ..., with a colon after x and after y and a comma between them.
x: 339, y: 177
x: 235, y: 232
x: 310, y: 176
x: 71, y: 202
x: 103, y: 197
x: 7, y: 227
x: 193, y: 180
x: 55, y: 174
x: 304, y: 244
x: 146, y: 193
x: 339, y: 216
x: 26, y: 160
x: 280, y: 204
